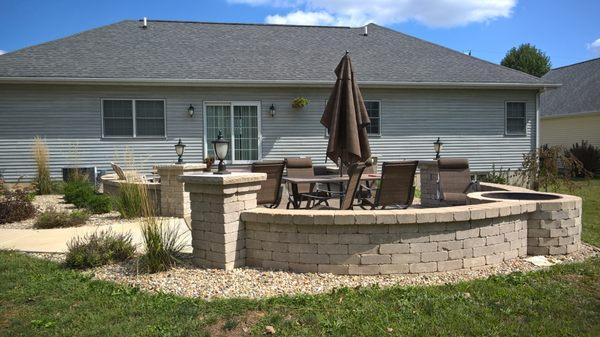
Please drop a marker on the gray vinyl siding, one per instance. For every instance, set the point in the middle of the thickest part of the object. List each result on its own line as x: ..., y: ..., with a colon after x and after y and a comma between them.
x: 470, y: 122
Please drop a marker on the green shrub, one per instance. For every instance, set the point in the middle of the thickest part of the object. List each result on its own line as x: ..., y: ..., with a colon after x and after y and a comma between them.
x: 163, y: 245
x: 42, y: 182
x: 588, y: 155
x: 59, y: 219
x: 98, y: 249
x: 496, y: 176
x: 16, y: 206
x: 82, y: 194
x: 131, y: 200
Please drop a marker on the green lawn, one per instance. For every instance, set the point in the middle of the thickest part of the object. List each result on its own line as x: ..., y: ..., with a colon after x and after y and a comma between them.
x: 41, y: 298
x: 590, y: 192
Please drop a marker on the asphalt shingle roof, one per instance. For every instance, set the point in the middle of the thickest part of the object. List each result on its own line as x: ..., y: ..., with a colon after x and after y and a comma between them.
x: 579, y: 93
x: 192, y: 50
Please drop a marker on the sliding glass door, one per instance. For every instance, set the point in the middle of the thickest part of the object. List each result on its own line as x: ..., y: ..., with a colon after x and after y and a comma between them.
x: 243, y: 118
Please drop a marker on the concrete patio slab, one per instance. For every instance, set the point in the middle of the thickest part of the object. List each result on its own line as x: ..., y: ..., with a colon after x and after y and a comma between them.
x: 55, y: 240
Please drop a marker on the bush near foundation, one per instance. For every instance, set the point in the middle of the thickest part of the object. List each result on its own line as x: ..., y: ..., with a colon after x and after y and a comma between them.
x: 82, y: 194
x: 60, y: 219
x: 16, y: 206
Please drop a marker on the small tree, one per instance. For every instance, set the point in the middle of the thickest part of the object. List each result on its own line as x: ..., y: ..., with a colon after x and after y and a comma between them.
x: 527, y: 58
x: 549, y: 167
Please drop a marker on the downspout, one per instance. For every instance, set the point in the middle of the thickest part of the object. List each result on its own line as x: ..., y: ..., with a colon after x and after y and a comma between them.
x: 537, y: 118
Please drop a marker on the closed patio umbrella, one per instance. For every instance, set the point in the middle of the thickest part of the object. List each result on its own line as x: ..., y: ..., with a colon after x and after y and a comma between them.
x: 346, y: 118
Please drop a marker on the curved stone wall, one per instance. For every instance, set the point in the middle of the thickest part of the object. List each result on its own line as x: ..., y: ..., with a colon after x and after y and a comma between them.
x: 411, y: 241
x: 111, y: 185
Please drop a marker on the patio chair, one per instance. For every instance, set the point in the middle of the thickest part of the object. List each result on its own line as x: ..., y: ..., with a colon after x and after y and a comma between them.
x: 269, y: 194
x: 355, y: 172
x: 119, y: 171
x: 302, y: 168
x: 396, y: 187
x: 455, y: 180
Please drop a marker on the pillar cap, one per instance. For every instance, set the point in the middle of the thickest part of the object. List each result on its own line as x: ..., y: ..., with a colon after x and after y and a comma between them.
x: 226, y: 179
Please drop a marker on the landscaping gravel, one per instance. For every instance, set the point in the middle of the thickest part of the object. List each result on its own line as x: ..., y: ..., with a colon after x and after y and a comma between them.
x: 189, y: 281
x: 46, y: 202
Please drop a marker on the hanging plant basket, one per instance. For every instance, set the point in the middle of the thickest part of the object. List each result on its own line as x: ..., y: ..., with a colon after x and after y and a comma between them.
x: 299, y: 102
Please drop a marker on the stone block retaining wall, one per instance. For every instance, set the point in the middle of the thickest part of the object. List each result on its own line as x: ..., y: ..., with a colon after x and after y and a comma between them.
x: 391, y: 242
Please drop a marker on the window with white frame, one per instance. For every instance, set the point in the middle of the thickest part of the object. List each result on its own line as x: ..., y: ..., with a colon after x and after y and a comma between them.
x: 239, y: 123
x: 133, y: 118
x: 516, y: 119
x: 374, y: 112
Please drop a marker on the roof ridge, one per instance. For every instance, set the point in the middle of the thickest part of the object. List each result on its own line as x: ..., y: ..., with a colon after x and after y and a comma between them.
x: 459, y: 53
x: 575, y: 64
x: 246, y: 24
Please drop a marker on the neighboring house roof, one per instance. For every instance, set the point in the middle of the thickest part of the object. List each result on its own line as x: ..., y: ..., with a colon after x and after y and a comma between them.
x: 579, y: 93
x: 188, y: 52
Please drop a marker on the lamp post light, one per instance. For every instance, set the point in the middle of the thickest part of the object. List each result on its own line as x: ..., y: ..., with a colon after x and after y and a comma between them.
x: 437, y: 147
x: 191, y: 111
x: 221, y: 148
x: 179, y: 148
x: 272, y: 110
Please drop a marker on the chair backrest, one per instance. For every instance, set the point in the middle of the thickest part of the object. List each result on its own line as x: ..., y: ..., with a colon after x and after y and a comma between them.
x: 300, y: 168
x: 355, y: 171
x: 372, y: 169
x: 396, y: 186
x: 119, y: 171
x: 270, y: 188
x: 455, y: 176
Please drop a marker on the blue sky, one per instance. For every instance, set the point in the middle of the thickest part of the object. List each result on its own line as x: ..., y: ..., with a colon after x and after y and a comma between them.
x: 568, y: 31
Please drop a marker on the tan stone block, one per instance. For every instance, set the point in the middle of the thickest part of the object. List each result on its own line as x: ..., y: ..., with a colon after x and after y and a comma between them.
x: 364, y: 269
x: 354, y: 238
x: 303, y: 248
x: 559, y: 232
x: 312, y: 229
x: 314, y: 258
x: 286, y: 257
x: 384, y: 217
x: 474, y: 262
x: 461, y: 215
x: 324, y: 217
x: 494, y: 239
x: 512, y: 236
x: 414, y: 237
x: 404, y: 228
x: 425, y: 216
x: 434, y: 256
x: 494, y: 259
x: 406, y: 217
x: 384, y: 238
x: 467, y: 233
x: 323, y: 238
x: 344, y: 259
x: 511, y: 254
x: 342, y: 229
x: 418, y: 247
x: 406, y: 258
x: 460, y: 253
x: 394, y: 248
x: 275, y: 265
x: 537, y: 250
x: 253, y: 244
x: 550, y: 206
x: 344, y: 218
x: 427, y: 267
x: 548, y: 242
x: 375, y: 259
x: 373, y: 229
x: 450, y: 245
x: 304, y: 219
x: 250, y: 204
x: 365, y: 217
x: 303, y: 267
x: 324, y: 248
x: 477, y: 213
x: 363, y: 249
x: 264, y: 236
x: 483, y: 251
x: 507, y: 227
x: 293, y: 237
x: 537, y: 233
x: 489, y: 231
x: 275, y: 246
x: 474, y: 242
x: 566, y: 240
x: 444, y: 216
x: 501, y: 247
x: 394, y: 269
x: 503, y: 211
x: 283, y: 228
x: 333, y: 269
x: 450, y: 265
x: 444, y: 236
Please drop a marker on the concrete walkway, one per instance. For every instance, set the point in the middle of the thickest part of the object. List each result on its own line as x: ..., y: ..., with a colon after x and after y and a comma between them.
x: 55, y: 240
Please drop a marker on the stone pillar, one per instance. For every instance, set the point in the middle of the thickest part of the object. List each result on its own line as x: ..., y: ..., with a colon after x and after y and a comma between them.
x: 429, y: 174
x: 555, y: 227
x: 174, y: 201
x: 218, y: 236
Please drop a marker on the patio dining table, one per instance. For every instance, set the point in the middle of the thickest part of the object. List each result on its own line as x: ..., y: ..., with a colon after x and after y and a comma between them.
x: 326, y: 180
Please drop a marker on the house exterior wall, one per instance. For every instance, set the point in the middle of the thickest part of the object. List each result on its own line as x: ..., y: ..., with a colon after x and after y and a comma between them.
x: 569, y: 130
x: 471, y: 124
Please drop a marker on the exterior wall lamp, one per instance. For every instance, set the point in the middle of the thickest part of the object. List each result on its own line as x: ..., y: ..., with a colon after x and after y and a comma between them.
x: 191, y: 110
x: 272, y: 110
x: 437, y: 147
x: 221, y: 148
x: 179, y: 149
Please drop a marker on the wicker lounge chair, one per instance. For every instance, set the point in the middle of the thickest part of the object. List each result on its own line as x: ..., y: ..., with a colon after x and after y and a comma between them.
x: 455, y: 180
x: 269, y: 194
x: 396, y: 186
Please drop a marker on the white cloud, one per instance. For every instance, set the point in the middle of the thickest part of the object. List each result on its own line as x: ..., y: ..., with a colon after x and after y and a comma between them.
x: 433, y: 13
x: 302, y: 18
x: 594, y: 46
x: 2, y: 52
